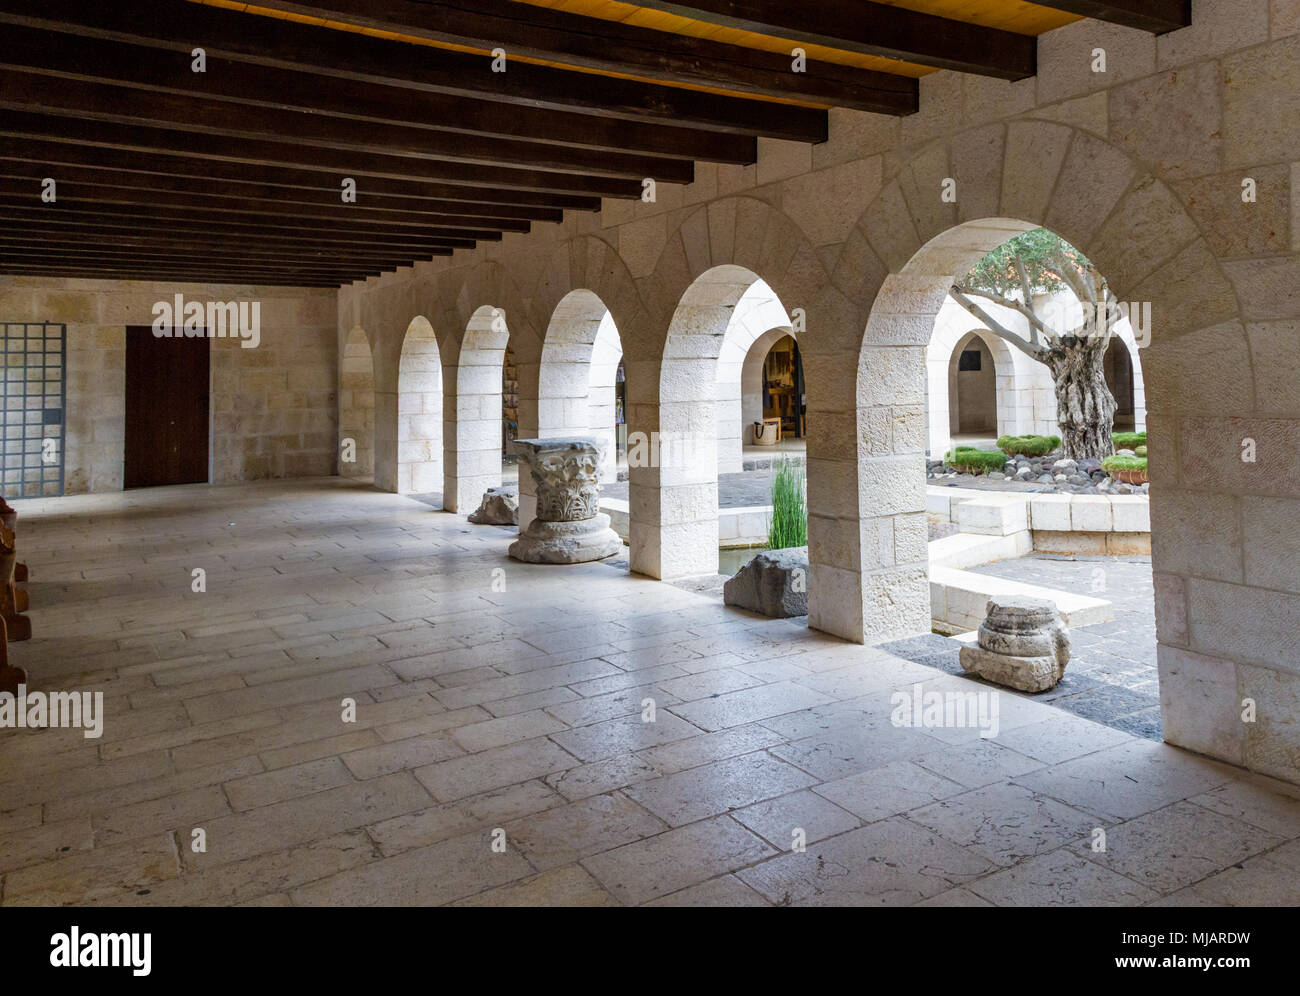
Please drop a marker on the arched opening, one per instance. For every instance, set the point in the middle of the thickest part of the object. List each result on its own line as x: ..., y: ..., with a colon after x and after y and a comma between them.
x: 972, y: 391
x: 578, y: 382
x: 357, y: 407
x: 472, y: 428
x: 719, y: 317
x: 1119, y: 378
x: 419, y: 411
x: 758, y: 317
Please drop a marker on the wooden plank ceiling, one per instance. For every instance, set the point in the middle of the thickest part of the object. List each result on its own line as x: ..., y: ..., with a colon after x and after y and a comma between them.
x: 236, y: 173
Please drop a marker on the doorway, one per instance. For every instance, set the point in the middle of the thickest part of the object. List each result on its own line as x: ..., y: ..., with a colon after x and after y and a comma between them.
x: 166, y: 409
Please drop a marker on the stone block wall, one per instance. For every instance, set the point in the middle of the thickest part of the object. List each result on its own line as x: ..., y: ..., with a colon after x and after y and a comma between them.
x: 272, y: 408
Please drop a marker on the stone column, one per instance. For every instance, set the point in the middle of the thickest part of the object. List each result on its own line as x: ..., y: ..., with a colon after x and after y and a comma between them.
x: 569, y: 527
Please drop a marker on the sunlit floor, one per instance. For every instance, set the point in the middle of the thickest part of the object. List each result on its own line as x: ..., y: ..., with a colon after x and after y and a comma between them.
x: 541, y: 734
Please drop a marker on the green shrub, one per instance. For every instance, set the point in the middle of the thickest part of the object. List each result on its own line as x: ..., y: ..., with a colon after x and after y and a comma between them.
x: 1113, y: 463
x: 1032, y: 446
x: 969, y: 460
x: 1140, y: 450
x: 788, y: 525
x: 1128, y: 440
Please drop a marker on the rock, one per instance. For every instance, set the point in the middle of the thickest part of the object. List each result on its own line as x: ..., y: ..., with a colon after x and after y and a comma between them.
x: 1125, y: 453
x: 997, y: 475
x: 1089, y: 466
x: 775, y: 583
x: 1123, y: 489
x: 499, y: 507
x: 1066, y: 466
x: 1022, y: 644
x: 1025, y: 473
x: 1078, y: 479
x: 1060, y: 478
x: 1045, y: 478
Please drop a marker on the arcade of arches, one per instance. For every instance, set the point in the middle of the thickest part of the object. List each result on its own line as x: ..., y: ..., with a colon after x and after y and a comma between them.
x: 810, y: 288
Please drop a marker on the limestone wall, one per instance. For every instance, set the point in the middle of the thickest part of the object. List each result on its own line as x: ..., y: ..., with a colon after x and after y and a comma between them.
x: 273, y: 407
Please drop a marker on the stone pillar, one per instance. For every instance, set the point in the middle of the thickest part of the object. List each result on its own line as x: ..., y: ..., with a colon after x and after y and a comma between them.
x: 569, y: 528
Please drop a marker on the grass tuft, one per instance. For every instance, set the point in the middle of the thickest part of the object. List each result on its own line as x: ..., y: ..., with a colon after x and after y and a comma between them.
x: 788, y: 525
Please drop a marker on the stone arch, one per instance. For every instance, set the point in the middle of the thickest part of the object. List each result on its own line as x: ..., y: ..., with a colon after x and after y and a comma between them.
x: 703, y: 328
x: 580, y: 355
x: 751, y: 385
x: 998, y: 382
x: 472, y: 420
x: 419, y: 411
x: 1095, y: 196
x: 357, y: 406
x: 757, y: 314
x: 707, y: 262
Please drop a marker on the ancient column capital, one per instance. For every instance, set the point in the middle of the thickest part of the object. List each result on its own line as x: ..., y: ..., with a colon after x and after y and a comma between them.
x: 567, y: 474
x: 569, y: 527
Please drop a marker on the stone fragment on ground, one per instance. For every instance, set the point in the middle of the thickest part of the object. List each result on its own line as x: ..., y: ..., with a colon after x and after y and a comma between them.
x: 774, y: 583
x: 499, y: 507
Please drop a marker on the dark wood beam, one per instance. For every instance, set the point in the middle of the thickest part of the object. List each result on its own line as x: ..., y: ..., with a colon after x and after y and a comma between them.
x: 220, y: 195
x: 177, y: 276
x: 10, y: 258
x: 111, y: 200
x: 30, y: 207
x: 266, y: 152
x: 32, y: 91
x: 115, y: 229
x: 197, y: 254
x: 363, y: 104
x: 275, y: 42
x: 872, y: 29
x: 219, y: 175
x: 1156, y: 16
x: 80, y: 183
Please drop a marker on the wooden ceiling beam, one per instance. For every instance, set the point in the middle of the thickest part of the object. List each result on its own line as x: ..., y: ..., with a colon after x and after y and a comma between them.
x: 361, y: 104
x: 651, y: 55
x: 1156, y: 16
x: 216, y: 221
x: 31, y: 248
x: 113, y: 200
x: 179, y: 276
x: 21, y: 89
x: 79, y: 183
x: 168, y: 232
x: 220, y: 195
x: 271, y: 155
x: 238, y: 178
x: 872, y: 29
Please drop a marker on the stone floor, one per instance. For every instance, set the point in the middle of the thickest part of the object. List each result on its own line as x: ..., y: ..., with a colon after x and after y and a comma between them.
x: 1112, y: 675
x: 503, y: 701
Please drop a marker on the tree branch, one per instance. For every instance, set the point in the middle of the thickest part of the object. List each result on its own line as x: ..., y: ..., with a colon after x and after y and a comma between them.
x: 997, y: 328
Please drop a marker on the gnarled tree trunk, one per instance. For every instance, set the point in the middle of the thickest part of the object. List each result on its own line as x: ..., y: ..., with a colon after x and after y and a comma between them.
x: 1085, y: 408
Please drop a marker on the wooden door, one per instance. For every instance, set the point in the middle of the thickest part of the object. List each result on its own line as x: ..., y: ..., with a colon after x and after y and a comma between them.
x: 166, y: 409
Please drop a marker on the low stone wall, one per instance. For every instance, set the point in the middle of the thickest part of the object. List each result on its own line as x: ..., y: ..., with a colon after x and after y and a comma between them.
x: 1116, y: 525
x: 737, y: 527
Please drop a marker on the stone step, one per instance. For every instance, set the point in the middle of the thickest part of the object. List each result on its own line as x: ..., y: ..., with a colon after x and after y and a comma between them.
x: 958, y: 600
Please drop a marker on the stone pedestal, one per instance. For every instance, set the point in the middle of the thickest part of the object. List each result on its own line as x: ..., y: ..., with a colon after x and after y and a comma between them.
x: 1022, y: 644
x: 499, y: 507
x: 569, y: 527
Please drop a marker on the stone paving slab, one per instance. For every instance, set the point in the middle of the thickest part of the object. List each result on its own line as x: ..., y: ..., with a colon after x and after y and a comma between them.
x: 580, y: 737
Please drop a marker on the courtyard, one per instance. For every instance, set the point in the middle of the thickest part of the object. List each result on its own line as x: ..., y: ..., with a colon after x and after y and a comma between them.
x: 583, y: 453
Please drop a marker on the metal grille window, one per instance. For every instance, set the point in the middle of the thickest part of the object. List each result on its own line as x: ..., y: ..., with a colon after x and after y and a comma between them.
x: 32, y: 396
